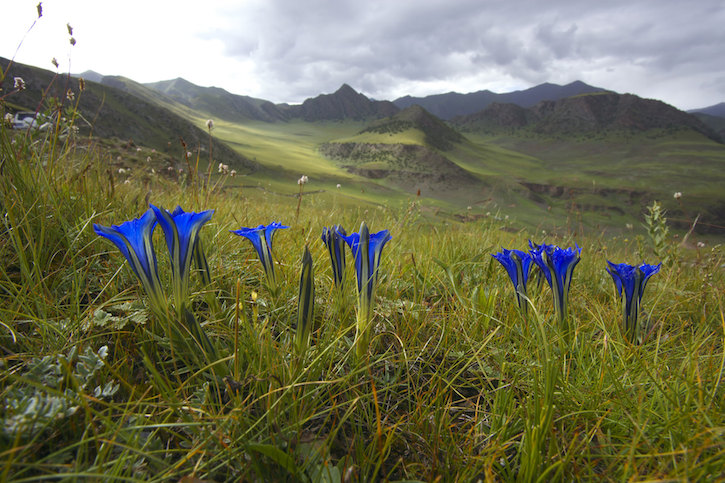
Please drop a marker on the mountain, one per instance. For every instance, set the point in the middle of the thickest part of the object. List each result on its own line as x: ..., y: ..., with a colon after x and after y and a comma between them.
x: 110, y: 112
x: 716, y: 110
x: 585, y: 114
x: 436, y: 133
x: 452, y: 104
x: 345, y: 103
x: 219, y: 102
x: 90, y: 75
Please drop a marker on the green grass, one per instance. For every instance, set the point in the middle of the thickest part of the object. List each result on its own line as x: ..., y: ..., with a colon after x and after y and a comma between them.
x: 456, y: 384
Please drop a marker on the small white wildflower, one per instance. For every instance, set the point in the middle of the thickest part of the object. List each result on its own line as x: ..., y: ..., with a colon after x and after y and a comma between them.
x: 233, y: 173
x: 223, y: 168
x: 118, y: 158
x: 138, y: 150
x: 153, y: 171
x: 339, y: 186
x: 506, y: 217
x: 469, y: 208
x: 121, y: 171
x: 148, y: 159
x: 700, y: 244
x: 488, y: 213
x: 677, y: 195
x: 70, y: 95
x: 188, y: 154
x: 8, y: 118
x: 18, y: 83
x: 629, y: 226
x: 128, y: 181
x: 209, y: 124
x: 303, y: 180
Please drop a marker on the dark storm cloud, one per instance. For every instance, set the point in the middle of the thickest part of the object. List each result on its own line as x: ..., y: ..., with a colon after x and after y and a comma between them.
x: 302, y: 48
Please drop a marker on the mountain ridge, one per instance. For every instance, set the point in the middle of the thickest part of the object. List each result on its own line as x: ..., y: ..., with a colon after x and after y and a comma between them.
x: 717, y: 110
x: 453, y: 104
x: 585, y: 114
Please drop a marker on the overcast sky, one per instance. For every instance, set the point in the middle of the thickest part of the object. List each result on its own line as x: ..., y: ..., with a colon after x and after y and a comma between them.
x: 289, y: 50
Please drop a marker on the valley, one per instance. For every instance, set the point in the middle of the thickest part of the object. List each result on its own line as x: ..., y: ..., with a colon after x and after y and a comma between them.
x: 586, y: 154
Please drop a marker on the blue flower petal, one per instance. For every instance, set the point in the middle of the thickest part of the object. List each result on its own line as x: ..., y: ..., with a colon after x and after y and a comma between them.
x: 181, y: 230
x: 261, y: 238
x: 366, y: 267
x: 134, y: 239
x: 517, y: 265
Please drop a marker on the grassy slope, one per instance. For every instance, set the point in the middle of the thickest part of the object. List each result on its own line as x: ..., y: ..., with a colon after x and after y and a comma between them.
x: 624, y: 173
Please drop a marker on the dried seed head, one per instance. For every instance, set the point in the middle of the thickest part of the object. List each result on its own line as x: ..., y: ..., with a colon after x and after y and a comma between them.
x: 55, y: 62
x: 209, y: 124
x: 18, y: 83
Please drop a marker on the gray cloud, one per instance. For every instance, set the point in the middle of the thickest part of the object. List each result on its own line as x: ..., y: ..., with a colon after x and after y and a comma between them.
x: 302, y: 48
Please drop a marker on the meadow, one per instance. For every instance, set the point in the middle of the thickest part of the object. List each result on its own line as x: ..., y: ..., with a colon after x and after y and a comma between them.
x: 103, y: 379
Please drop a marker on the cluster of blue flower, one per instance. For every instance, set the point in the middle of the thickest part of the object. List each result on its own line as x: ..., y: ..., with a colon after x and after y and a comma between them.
x: 557, y: 266
x: 366, y: 249
x: 181, y: 231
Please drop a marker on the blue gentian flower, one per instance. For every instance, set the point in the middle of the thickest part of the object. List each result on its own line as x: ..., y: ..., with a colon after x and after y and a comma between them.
x: 366, y: 249
x: 517, y: 264
x: 261, y: 238
x: 181, y: 230
x: 335, y: 243
x: 134, y: 239
x: 557, y: 265
x: 630, y: 282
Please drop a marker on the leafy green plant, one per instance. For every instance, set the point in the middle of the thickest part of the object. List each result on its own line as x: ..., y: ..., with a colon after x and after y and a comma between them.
x: 656, y: 224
